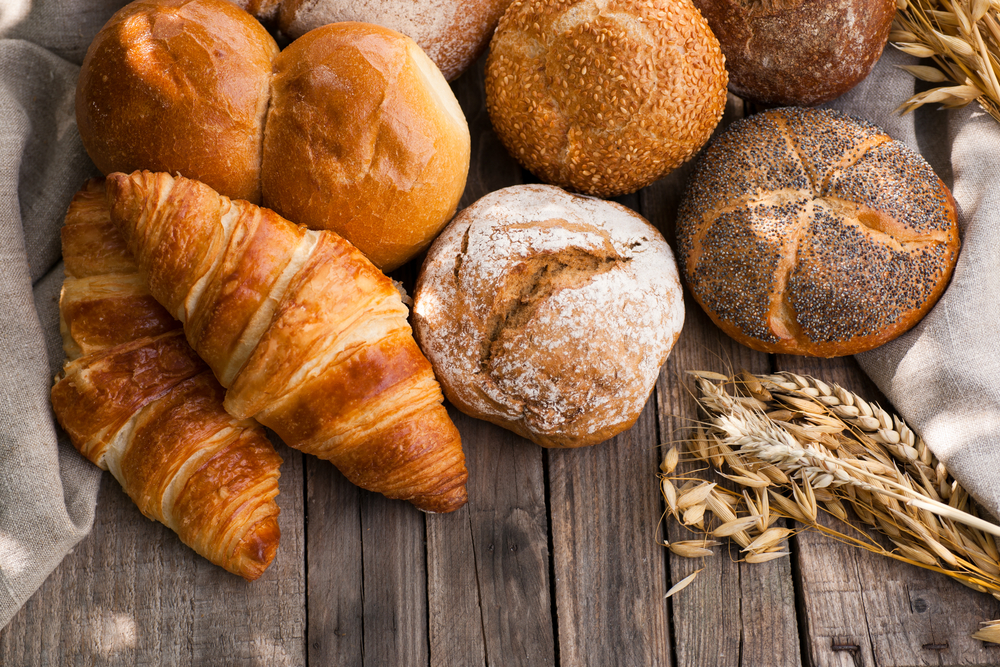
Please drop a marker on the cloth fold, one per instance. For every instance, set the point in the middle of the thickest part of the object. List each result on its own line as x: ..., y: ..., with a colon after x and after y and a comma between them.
x: 47, y: 491
x: 943, y: 376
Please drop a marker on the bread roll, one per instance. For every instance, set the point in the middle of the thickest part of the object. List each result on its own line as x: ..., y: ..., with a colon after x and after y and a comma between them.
x: 453, y: 33
x: 799, y: 52
x: 356, y: 130
x: 811, y: 232
x: 604, y: 98
x: 548, y: 313
x: 364, y: 137
x: 178, y: 86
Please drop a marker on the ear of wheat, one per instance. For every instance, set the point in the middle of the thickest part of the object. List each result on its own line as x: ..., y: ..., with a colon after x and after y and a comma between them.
x: 962, y: 39
x: 795, y: 446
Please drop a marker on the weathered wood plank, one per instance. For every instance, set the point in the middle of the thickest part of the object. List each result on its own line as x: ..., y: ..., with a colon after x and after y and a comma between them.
x: 395, y: 582
x: 733, y: 613
x: 367, y: 574
x: 488, y: 563
x: 335, y: 567
x: 610, y: 574
x: 132, y: 593
x: 895, y: 614
x: 489, y: 581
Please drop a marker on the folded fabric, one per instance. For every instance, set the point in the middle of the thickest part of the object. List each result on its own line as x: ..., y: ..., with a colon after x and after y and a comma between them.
x: 943, y: 376
x: 47, y: 491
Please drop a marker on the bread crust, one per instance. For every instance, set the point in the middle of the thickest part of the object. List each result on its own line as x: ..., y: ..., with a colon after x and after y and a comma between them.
x: 136, y: 400
x: 179, y: 86
x: 387, y: 148
x: 352, y: 128
x: 604, y: 97
x: 453, y: 33
x: 548, y: 313
x: 811, y: 232
x: 798, y: 52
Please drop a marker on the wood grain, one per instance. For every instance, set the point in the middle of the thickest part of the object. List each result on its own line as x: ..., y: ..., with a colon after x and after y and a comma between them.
x: 610, y: 573
x: 131, y: 593
x: 733, y: 613
x: 494, y: 551
x: 895, y: 614
x: 334, y: 565
x: 488, y: 564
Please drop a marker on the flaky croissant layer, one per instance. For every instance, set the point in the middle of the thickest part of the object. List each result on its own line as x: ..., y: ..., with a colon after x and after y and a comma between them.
x: 135, y: 399
x: 310, y: 338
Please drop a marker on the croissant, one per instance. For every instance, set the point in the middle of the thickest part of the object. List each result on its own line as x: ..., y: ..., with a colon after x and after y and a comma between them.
x: 135, y: 399
x: 310, y: 338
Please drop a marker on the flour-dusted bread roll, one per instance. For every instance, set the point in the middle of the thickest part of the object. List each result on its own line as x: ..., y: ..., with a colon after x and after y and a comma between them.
x: 364, y: 137
x: 452, y: 32
x: 604, y: 97
x: 808, y: 231
x: 179, y: 86
x: 548, y: 313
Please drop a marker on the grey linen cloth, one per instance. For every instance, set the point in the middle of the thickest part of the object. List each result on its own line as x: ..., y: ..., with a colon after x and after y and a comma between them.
x: 944, y: 376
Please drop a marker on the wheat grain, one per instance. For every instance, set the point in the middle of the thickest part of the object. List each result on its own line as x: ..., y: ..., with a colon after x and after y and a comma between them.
x: 963, y: 41
x: 802, y: 446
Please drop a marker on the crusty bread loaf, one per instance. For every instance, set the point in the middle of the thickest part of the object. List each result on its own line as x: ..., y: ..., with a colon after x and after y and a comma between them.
x: 352, y: 128
x: 548, y: 313
x: 178, y: 86
x: 807, y: 231
x: 452, y: 32
x: 604, y: 98
x: 388, y: 146
x: 798, y: 52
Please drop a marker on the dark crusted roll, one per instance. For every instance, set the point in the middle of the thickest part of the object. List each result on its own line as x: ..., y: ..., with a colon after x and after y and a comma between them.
x: 811, y: 232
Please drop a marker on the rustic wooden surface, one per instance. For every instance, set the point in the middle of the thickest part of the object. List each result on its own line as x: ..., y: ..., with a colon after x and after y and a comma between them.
x: 556, y: 559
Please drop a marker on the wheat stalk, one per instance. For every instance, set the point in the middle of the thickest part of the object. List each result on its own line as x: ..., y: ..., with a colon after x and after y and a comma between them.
x: 796, y: 446
x: 962, y: 39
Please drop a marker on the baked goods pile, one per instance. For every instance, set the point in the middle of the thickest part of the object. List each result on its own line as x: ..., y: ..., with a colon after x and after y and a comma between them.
x: 138, y: 401
x: 351, y: 128
x: 546, y: 312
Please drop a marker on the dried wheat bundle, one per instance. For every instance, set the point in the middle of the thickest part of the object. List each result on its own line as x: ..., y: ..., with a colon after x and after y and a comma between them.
x: 962, y: 37
x: 794, y: 446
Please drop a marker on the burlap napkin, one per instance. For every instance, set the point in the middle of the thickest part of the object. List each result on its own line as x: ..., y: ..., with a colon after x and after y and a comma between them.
x: 944, y: 376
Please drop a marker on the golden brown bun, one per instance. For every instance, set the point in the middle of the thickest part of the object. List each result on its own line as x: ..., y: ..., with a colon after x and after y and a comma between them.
x: 182, y: 86
x: 309, y: 337
x: 364, y: 137
x: 356, y: 130
x: 604, y: 98
x: 807, y: 231
x: 135, y: 399
x: 798, y: 52
x: 548, y: 313
x: 453, y: 33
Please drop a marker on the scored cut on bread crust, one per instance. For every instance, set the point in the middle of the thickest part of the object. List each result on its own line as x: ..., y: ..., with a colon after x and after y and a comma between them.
x: 812, y: 232
x: 549, y: 314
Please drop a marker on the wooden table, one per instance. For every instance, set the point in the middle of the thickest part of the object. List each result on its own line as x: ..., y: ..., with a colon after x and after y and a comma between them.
x: 556, y: 559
